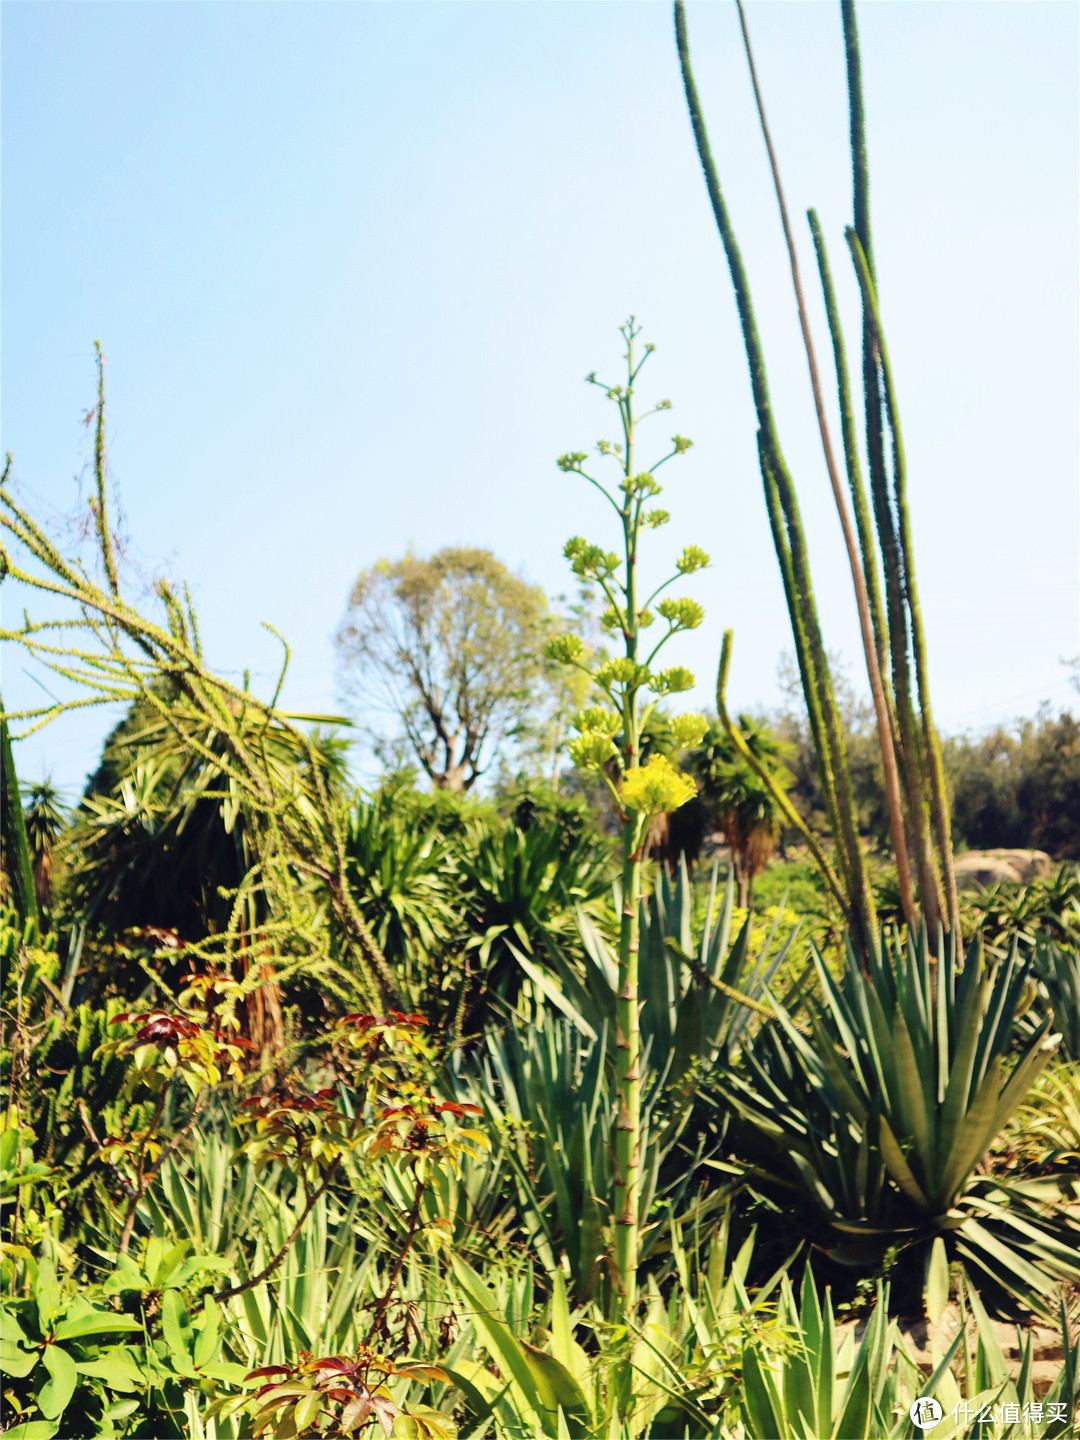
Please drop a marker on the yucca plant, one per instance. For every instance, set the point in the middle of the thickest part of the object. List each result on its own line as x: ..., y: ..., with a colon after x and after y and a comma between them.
x: 403, y: 870
x: 878, y: 1112
x: 518, y: 886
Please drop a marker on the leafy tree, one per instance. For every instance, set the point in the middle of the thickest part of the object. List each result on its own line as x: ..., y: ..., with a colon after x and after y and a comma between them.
x: 1019, y: 786
x: 450, y: 646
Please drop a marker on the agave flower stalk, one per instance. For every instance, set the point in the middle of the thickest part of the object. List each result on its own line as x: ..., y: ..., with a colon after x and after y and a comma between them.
x: 608, y: 742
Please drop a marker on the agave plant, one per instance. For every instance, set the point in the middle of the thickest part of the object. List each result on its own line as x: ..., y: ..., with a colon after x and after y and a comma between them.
x: 1058, y: 969
x: 823, y: 1385
x: 699, y: 998
x: 877, y: 1118
x: 670, y: 1375
x: 554, y: 1078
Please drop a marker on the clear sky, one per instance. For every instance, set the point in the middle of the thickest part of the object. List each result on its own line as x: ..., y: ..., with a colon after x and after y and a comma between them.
x: 350, y: 262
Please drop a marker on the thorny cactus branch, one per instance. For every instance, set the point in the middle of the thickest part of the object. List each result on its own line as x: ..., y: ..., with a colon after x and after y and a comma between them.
x: 208, y: 719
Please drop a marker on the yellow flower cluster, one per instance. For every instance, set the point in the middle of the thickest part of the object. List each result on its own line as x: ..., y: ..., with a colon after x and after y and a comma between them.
x: 656, y: 787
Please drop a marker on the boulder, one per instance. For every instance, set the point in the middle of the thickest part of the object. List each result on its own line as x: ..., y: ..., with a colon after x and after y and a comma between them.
x: 994, y: 867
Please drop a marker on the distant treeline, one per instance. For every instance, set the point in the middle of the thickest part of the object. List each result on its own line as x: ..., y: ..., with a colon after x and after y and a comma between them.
x: 1016, y: 785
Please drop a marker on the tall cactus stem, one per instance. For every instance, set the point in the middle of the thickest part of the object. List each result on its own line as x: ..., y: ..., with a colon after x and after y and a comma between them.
x: 16, y: 849
x: 851, y: 449
x: 816, y: 678
x: 931, y: 745
x: 858, y: 579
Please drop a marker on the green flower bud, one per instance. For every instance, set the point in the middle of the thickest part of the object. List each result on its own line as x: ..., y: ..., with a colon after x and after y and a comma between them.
x: 596, y: 717
x: 681, y: 444
x: 591, y: 750
x: 611, y: 619
x: 688, y: 730
x: 673, y: 680
x: 655, y: 518
x: 682, y: 614
x: 571, y: 461
x: 692, y: 558
x: 565, y: 649
x: 644, y: 619
x: 621, y: 671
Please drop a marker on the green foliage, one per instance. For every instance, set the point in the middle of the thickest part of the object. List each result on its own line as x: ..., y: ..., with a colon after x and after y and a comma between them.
x: 402, y: 863
x: 554, y: 1079
x: 1042, y: 911
x: 1019, y: 786
x: 18, y: 873
x: 737, y: 799
x: 821, y: 1385
x: 455, y: 894
x: 1044, y: 1134
x: 86, y: 1368
x: 672, y: 1374
x: 520, y: 887
x: 877, y: 1117
x: 1059, y: 975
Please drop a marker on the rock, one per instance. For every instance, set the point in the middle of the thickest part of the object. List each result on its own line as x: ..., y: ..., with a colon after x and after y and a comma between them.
x: 994, y: 867
x: 927, y: 1343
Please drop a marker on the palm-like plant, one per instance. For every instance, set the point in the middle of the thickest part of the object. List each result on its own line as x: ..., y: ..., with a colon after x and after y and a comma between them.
x: 555, y: 1079
x: 403, y: 868
x: 44, y: 816
x: 520, y: 890
x: 745, y: 807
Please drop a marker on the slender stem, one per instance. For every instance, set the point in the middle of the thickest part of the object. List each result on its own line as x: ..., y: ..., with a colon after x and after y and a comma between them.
x: 805, y: 661
x: 891, y: 528
x: 817, y: 683
x: 142, y: 1180
x: 932, y: 749
x: 268, y: 1270
x: 851, y: 451
x: 860, y: 169
x: 98, y: 504
x: 412, y: 1225
x: 627, y: 1136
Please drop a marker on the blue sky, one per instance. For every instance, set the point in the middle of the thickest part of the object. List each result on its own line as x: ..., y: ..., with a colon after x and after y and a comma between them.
x: 350, y: 262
